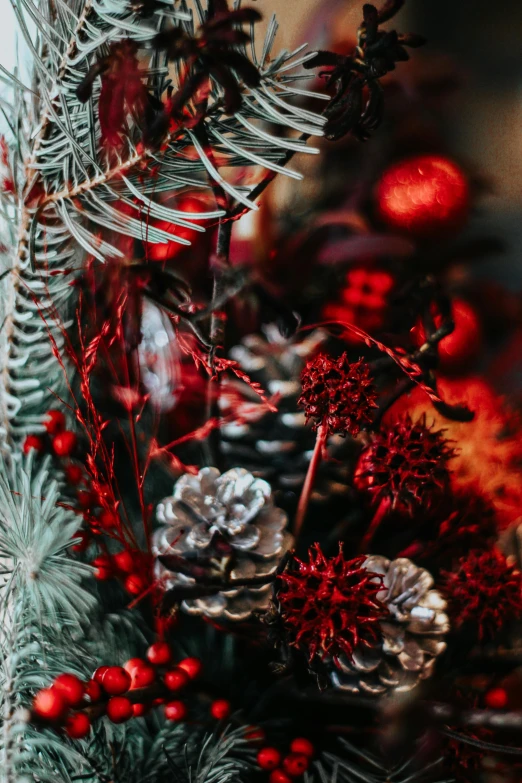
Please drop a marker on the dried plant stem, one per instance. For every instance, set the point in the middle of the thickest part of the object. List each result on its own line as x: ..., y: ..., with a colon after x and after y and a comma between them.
x: 380, y: 513
x: 302, y: 508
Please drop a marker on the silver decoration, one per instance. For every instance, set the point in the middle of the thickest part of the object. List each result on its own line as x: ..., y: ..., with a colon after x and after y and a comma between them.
x: 158, y: 356
x: 235, y: 508
x: 412, y: 636
x: 278, y: 446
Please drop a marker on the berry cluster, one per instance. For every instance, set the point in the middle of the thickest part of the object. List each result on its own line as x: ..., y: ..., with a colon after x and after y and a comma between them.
x: 58, y: 439
x: 121, y: 693
x: 293, y: 765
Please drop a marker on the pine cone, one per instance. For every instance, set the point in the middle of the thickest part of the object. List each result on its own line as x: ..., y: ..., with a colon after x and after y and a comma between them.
x: 278, y: 446
x: 218, y: 529
x: 412, y: 636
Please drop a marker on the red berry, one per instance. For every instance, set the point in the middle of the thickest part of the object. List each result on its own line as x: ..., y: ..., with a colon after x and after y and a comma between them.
x: 496, y: 698
x: 49, y: 704
x: 124, y: 561
x: 176, y: 679
x: 132, y: 664
x: 86, y: 498
x: 254, y: 734
x: 103, y: 566
x: 192, y: 666
x: 54, y: 422
x: 303, y: 746
x: 296, y: 764
x: 139, y: 710
x: 73, y: 474
x: 83, y: 543
x: 64, y: 443
x: 78, y: 725
x: 142, y: 676
x: 427, y: 195
x: 220, y: 709
x: 70, y: 688
x: 99, y: 674
x: 268, y: 758
x: 119, y: 709
x: 93, y: 690
x: 107, y: 519
x: 136, y: 584
x: 33, y: 442
x: 116, y: 680
x: 159, y: 653
x: 158, y: 701
x: 278, y: 776
x: 175, y: 710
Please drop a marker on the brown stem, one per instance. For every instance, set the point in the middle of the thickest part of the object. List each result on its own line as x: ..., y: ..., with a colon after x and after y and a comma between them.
x: 381, y: 512
x: 322, y: 434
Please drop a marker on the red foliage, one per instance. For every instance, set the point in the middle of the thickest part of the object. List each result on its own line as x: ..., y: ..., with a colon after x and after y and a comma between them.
x: 329, y: 606
x: 406, y: 464
x: 338, y: 394
x: 122, y: 91
x: 485, y: 592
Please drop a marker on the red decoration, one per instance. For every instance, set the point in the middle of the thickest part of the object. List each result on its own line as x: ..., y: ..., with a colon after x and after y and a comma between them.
x: 337, y: 394
x: 326, y: 594
x: 175, y: 710
x: 122, y: 91
x: 124, y: 561
x: 108, y: 519
x: 49, y: 704
x: 135, y: 584
x: 192, y: 666
x: 278, y: 776
x: 139, y: 710
x: 86, y: 498
x: 64, y: 443
x: 116, y: 680
x: 134, y: 663
x: 176, y: 679
x: 303, y: 746
x: 99, y: 674
x: 70, y: 688
x: 103, y: 566
x: 83, y: 543
x: 220, y: 709
x: 54, y: 422
x: 296, y: 764
x: 496, y: 698
x: 73, y: 474
x: 426, y: 195
x: 78, y: 725
x: 33, y: 442
x: 406, y: 464
x: 165, y: 251
x: 459, y: 348
x: 363, y: 301
x: 484, y: 592
x: 142, y: 676
x: 119, y: 709
x: 159, y: 653
x: 268, y: 758
x: 93, y: 690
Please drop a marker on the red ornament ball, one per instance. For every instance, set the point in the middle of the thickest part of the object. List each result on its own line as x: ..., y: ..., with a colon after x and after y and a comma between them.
x: 73, y: 474
x: 176, y: 679
x: 192, y: 666
x: 175, y: 710
x: 124, y: 561
x: 220, y: 709
x: 278, y: 776
x: 268, y: 758
x: 116, y: 681
x: 78, y: 725
x: 142, y: 676
x: 49, y: 704
x: 99, y: 674
x: 295, y: 764
x: 54, y: 422
x: 93, y: 690
x: 64, y: 443
x: 119, y: 709
x: 303, y: 746
x: 70, y: 688
x: 159, y: 653
x: 33, y: 442
x: 135, y: 584
x: 427, y: 195
x: 496, y: 699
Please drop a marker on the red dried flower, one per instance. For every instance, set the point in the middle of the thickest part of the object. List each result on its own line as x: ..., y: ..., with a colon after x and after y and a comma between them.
x: 406, y: 464
x: 338, y: 394
x: 329, y: 605
x: 484, y: 590
x: 122, y: 91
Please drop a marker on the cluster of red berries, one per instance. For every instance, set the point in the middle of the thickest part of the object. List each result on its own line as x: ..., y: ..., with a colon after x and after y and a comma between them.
x: 122, y: 692
x: 293, y: 765
x: 59, y: 440
x: 133, y: 568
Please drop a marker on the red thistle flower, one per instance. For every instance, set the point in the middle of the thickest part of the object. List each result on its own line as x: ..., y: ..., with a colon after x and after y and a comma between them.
x: 484, y: 590
x: 329, y: 605
x: 406, y: 464
x: 337, y: 394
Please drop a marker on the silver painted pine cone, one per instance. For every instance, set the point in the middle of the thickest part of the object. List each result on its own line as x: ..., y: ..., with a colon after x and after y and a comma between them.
x: 227, y: 526
x: 413, y: 635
